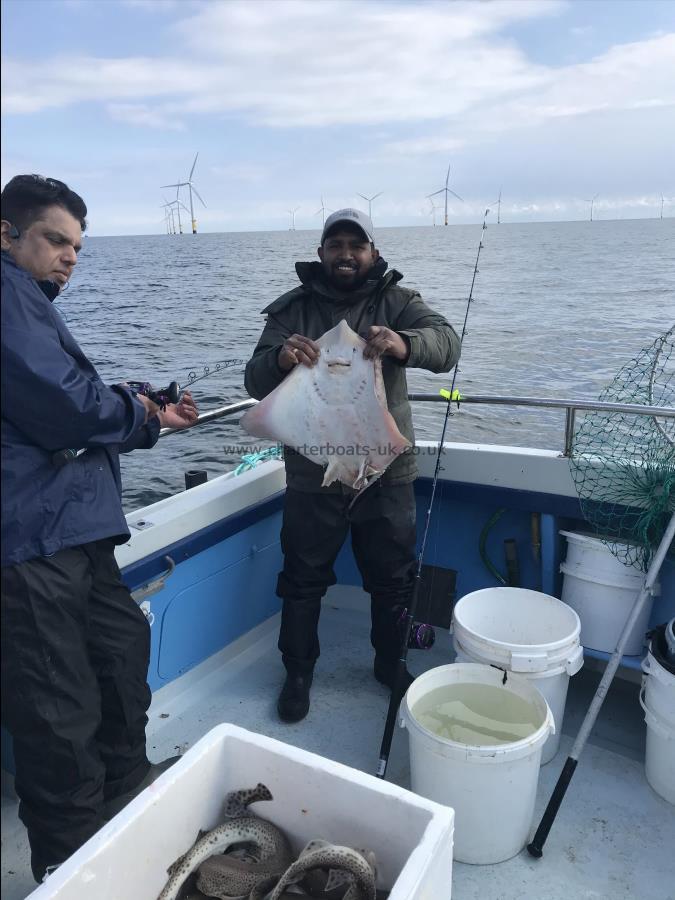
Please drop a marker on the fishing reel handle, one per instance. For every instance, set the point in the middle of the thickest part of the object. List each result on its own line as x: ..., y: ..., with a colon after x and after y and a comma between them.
x: 161, y: 396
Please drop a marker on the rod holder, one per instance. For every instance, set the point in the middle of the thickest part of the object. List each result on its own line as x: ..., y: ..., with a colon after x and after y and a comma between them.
x: 193, y: 477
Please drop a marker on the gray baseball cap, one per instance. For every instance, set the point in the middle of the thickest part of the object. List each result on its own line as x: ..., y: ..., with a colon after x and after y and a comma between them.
x: 353, y: 216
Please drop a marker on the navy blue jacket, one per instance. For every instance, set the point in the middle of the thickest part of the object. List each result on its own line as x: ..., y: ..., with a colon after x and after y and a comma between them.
x: 53, y: 398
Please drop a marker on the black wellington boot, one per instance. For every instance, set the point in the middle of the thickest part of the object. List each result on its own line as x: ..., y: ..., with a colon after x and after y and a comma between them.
x: 293, y: 703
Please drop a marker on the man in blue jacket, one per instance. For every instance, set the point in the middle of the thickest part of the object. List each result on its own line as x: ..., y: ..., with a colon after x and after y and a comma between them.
x: 75, y: 646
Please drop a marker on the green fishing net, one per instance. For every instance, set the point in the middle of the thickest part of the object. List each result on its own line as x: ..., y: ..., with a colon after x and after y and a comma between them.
x: 623, y: 464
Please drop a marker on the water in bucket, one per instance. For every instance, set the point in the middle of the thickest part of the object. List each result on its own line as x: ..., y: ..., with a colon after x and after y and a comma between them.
x: 477, y: 714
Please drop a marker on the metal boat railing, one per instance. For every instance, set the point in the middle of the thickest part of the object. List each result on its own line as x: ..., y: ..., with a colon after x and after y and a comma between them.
x: 571, y: 408
x: 220, y: 413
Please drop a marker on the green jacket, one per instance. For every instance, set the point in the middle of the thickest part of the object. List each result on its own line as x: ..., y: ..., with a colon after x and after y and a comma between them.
x: 314, y: 308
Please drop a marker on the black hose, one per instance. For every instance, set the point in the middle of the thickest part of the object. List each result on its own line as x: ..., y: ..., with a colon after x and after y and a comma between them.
x: 494, y: 518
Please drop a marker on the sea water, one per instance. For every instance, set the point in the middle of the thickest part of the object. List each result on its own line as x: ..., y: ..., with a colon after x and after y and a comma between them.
x: 559, y: 308
x: 477, y: 714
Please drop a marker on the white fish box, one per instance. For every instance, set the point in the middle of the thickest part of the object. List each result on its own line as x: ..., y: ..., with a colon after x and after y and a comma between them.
x: 314, y: 797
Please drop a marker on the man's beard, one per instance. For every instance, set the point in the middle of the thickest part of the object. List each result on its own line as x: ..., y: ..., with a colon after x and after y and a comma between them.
x: 352, y: 285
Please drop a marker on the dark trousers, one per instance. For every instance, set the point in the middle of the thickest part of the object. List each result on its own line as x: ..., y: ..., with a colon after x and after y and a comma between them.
x: 315, y: 525
x: 75, y: 654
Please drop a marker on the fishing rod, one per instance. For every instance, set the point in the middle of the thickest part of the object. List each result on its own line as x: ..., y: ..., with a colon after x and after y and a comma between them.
x: 192, y: 377
x: 401, y: 672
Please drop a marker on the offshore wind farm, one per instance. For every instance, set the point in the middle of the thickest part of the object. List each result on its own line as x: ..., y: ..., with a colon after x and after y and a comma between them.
x: 173, y: 222
x: 188, y: 183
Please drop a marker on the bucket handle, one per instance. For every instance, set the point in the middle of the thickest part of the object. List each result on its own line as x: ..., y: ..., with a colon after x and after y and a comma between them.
x: 652, y: 720
x: 528, y: 662
x: 575, y: 661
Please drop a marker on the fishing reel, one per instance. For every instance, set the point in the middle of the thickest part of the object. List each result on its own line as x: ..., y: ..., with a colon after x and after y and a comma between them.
x: 422, y: 636
x: 161, y: 396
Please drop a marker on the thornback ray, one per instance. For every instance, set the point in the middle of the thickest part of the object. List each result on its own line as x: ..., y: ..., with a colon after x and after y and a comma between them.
x: 334, y: 413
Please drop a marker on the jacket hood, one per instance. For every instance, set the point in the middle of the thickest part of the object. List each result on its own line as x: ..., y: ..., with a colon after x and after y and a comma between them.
x: 313, y: 276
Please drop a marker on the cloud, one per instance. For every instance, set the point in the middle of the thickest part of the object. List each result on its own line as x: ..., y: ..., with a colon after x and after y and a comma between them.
x: 630, y: 76
x: 63, y: 81
x: 140, y: 114
x: 153, y: 6
x: 447, y: 65
x: 246, y: 172
x: 419, y: 61
x: 419, y: 146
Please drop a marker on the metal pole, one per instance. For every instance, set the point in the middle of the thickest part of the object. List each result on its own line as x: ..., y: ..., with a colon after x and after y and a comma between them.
x: 192, y: 212
x: 569, y: 430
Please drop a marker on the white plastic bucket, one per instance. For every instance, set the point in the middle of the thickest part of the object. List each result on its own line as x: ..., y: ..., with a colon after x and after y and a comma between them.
x: 659, y: 689
x: 492, y: 787
x: 527, y: 632
x: 659, y: 752
x: 657, y: 698
x: 603, y: 592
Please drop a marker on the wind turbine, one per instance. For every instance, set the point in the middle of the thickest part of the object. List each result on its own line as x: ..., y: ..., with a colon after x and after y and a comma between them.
x: 178, y: 205
x: 446, y: 190
x: 322, y: 210
x: 433, y: 209
x: 190, y: 186
x: 168, y: 216
x: 661, y: 206
x: 370, y: 202
x: 292, y: 213
x: 592, y: 201
x: 169, y: 205
x: 499, y: 207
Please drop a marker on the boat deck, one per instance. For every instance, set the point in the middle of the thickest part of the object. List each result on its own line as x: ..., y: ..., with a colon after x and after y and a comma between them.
x: 613, y: 838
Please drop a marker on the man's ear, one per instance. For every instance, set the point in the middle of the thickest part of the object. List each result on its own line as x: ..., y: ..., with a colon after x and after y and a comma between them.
x: 376, y: 254
x: 320, y: 252
x: 6, y: 234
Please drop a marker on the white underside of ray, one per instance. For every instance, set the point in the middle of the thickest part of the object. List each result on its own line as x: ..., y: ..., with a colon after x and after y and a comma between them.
x: 334, y: 413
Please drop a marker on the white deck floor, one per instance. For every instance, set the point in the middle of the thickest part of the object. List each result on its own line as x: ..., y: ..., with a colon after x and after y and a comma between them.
x: 614, y: 838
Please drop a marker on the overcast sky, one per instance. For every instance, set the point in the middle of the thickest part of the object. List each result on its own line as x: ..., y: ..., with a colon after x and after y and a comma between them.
x: 291, y: 102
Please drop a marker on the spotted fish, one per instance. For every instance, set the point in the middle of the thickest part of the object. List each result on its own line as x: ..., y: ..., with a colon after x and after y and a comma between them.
x: 344, y: 865
x: 268, y: 846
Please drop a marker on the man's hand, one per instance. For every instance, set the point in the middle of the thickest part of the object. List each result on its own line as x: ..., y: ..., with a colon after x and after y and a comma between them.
x: 179, y: 415
x: 382, y: 341
x: 151, y: 409
x: 298, y: 349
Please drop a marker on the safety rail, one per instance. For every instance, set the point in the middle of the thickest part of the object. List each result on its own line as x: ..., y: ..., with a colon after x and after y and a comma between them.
x: 570, y: 406
x: 220, y: 413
